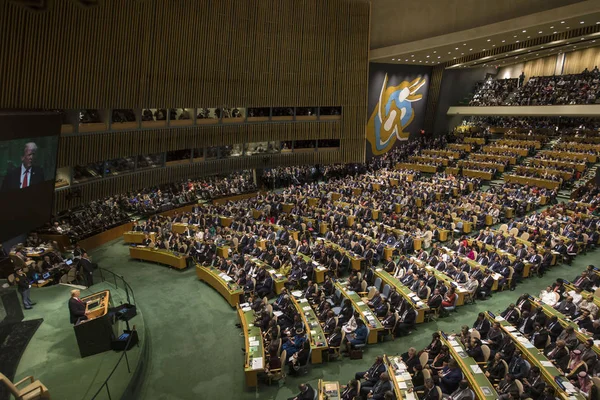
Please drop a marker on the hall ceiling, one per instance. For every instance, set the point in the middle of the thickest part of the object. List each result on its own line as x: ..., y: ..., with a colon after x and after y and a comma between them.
x: 507, y: 47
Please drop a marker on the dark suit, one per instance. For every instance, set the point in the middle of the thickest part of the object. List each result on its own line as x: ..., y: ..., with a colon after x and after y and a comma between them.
x: 12, y: 180
x: 88, y: 271
x: 308, y: 394
x: 76, y: 309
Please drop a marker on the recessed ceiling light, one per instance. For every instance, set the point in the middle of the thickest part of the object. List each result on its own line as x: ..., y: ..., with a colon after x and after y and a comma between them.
x: 503, y: 41
x: 517, y: 41
x: 435, y: 51
x: 470, y: 49
x: 482, y: 49
x: 439, y: 57
x: 413, y: 60
x: 456, y: 48
x: 537, y: 54
x: 489, y: 40
x: 552, y: 27
x: 593, y: 41
x: 582, y: 22
x: 412, y: 55
x: 540, y: 32
x: 462, y: 54
x: 524, y: 31
x: 542, y: 47
x: 582, y: 38
x: 515, y: 36
x: 449, y: 52
x: 493, y: 45
x: 555, y: 32
x: 420, y: 61
x: 562, y: 22
x: 528, y: 37
x: 427, y: 56
x: 455, y: 58
x: 406, y: 59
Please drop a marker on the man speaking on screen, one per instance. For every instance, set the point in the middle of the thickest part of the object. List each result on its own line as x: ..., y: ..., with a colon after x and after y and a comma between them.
x: 26, y: 174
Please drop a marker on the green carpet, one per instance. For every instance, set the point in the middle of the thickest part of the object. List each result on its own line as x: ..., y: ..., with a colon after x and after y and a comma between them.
x: 195, y: 347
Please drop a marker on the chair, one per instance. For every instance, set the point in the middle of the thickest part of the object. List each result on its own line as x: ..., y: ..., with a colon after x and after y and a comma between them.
x: 336, y: 350
x: 279, y: 373
x: 369, y: 294
x: 475, y: 334
x: 377, y: 283
x: 514, y: 231
x: 508, y: 282
x: 486, y: 353
x: 423, y: 359
x: 503, y: 228
x: 11, y: 279
x: 519, y: 386
x: 524, y: 235
x: 34, y: 390
x: 386, y: 291
x: 453, y: 306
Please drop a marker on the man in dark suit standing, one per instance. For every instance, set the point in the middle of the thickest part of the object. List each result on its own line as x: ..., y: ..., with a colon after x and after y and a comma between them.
x: 76, y: 307
x: 87, y: 268
x: 26, y: 174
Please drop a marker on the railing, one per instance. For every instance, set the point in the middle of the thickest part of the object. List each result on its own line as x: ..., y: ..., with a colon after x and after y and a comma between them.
x: 108, y: 276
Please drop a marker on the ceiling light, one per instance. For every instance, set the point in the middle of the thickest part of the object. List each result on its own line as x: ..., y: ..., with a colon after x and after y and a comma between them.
x: 470, y: 49
x: 455, y: 58
x: 528, y: 37
x: 435, y: 51
x: 420, y: 61
x: 482, y: 49
x: 427, y: 56
x: 449, y: 52
x: 462, y: 54
x: 456, y: 48
x: 517, y: 41
x: 427, y: 62
x: 524, y: 31
x: 568, y: 27
x: 393, y: 59
x: 562, y: 22
x: 582, y: 22
x: 464, y: 44
x: 537, y: 54
x: 406, y: 59
x: 582, y: 38
x: 503, y: 41
x: 515, y: 36
x: 540, y: 32
x: 555, y: 32
x: 439, y: 57
x: 412, y: 55
x: 552, y: 27
x: 542, y: 47
x: 489, y: 40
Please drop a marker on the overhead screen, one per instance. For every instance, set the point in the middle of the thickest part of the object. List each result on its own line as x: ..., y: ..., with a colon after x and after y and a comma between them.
x: 28, y: 151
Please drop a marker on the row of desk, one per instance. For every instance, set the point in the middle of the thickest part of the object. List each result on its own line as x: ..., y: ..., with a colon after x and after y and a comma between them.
x: 552, y: 376
x: 524, y: 180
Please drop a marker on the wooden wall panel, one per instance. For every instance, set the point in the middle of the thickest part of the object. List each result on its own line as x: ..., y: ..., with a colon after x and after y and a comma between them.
x: 189, y: 53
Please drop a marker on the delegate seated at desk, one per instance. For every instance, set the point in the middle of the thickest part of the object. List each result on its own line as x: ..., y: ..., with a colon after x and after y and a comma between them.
x: 76, y: 307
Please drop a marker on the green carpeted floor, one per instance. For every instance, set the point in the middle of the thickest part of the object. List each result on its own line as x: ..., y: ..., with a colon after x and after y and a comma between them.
x: 196, y: 349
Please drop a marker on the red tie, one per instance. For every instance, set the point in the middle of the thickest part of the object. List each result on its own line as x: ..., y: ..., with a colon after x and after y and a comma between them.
x: 25, y: 183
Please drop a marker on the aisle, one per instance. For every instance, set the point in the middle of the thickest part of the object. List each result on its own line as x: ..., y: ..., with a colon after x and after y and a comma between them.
x: 196, y: 349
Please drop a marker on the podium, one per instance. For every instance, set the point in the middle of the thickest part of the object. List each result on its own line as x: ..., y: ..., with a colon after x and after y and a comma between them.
x: 95, y: 335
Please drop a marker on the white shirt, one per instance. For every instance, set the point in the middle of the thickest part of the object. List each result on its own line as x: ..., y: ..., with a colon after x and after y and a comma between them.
x: 548, y: 297
x: 23, y: 169
x: 577, y: 297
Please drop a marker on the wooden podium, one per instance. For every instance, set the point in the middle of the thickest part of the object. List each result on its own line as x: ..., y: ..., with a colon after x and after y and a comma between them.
x: 95, y: 335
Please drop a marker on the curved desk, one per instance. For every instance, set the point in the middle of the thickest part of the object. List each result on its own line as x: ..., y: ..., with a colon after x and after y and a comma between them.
x: 159, y: 256
x: 255, y: 352
x: 226, y: 287
x: 134, y: 237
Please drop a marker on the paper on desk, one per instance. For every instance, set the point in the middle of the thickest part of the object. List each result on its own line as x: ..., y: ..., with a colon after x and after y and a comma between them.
x: 409, y: 396
x: 360, y: 303
x: 303, y: 300
x: 313, y: 332
x: 257, y: 363
x: 297, y: 293
x: 546, y: 364
x: 402, y: 385
x: 253, y: 343
x: 307, y: 308
x: 244, y: 305
x: 510, y: 328
x: 246, y: 309
x: 476, y: 369
x: 406, y: 376
x: 499, y: 318
x: 226, y: 278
